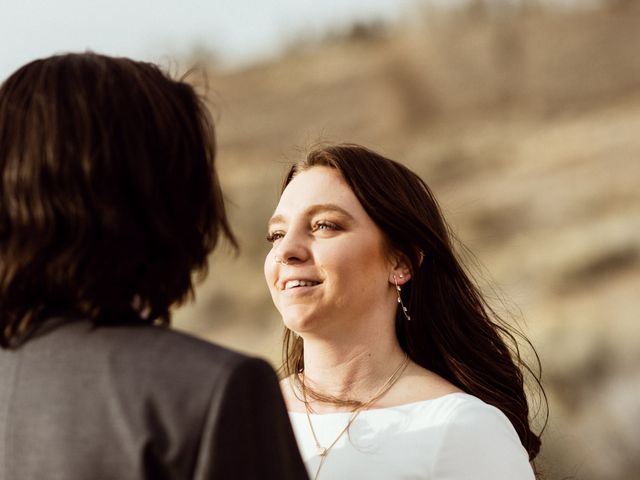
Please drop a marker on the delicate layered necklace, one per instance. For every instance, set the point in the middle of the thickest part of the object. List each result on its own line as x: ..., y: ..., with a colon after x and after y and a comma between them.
x: 324, y: 451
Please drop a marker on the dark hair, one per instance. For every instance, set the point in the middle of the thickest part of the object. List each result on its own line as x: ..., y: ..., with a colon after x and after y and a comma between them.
x: 109, y: 199
x: 453, y: 331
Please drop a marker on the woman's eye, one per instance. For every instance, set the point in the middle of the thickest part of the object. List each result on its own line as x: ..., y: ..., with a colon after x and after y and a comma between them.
x: 273, y: 236
x: 324, y: 225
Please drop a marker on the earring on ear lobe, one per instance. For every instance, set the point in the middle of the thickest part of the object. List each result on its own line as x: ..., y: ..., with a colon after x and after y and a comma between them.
x: 398, y: 290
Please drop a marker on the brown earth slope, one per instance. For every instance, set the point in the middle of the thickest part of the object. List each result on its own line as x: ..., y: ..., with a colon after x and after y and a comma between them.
x: 527, y: 126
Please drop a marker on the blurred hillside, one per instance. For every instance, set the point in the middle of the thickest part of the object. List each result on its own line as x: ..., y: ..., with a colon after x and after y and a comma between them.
x: 526, y: 123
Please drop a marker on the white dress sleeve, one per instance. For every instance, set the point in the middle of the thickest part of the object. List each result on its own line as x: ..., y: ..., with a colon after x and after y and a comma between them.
x: 480, y: 443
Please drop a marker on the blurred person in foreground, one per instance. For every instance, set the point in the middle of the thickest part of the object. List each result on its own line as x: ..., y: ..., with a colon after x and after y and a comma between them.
x: 395, y: 366
x: 109, y: 201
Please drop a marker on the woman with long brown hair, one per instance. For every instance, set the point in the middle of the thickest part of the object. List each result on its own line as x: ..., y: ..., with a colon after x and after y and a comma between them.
x: 394, y: 365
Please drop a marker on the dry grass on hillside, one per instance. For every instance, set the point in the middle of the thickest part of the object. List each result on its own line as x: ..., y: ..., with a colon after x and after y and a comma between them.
x: 525, y: 123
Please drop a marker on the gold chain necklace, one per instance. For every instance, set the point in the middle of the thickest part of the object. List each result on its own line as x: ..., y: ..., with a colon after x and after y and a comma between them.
x: 324, y: 451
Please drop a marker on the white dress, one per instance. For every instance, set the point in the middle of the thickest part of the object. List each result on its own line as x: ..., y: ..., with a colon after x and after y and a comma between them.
x: 453, y: 437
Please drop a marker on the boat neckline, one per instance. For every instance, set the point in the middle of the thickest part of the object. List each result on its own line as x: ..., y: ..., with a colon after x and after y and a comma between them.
x: 392, y: 407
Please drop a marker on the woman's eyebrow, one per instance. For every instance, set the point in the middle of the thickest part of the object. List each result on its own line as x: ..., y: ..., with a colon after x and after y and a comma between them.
x: 328, y: 207
x: 313, y: 210
x: 275, y: 219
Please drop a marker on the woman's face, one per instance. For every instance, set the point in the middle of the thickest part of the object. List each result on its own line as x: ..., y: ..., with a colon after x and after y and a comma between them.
x: 328, y: 265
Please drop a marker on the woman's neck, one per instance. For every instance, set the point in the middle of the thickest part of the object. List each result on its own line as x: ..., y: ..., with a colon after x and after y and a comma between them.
x: 349, y: 370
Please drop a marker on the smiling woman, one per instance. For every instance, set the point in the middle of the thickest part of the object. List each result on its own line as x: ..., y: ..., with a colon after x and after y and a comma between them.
x: 322, y: 236
x: 394, y: 365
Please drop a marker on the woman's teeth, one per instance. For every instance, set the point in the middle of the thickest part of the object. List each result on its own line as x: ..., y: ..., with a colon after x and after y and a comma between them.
x: 299, y: 283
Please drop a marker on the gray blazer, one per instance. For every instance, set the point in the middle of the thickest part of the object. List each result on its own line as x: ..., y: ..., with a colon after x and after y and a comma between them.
x: 79, y: 402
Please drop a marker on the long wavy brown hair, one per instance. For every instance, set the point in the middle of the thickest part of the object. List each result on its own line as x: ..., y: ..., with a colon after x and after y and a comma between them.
x: 109, y: 198
x: 453, y: 331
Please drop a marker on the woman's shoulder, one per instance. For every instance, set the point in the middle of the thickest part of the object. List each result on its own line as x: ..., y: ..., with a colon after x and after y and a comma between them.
x: 460, y: 416
x: 429, y: 392
x: 482, y: 435
x: 464, y: 411
x: 453, y: 410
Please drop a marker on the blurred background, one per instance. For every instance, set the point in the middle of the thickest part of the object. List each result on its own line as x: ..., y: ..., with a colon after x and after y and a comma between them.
x: 523, y: 116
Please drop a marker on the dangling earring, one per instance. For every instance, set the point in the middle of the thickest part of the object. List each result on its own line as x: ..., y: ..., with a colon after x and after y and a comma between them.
x: 404, y: 309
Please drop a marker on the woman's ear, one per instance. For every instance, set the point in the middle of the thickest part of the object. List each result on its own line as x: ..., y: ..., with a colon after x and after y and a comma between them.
x: 400, y: 270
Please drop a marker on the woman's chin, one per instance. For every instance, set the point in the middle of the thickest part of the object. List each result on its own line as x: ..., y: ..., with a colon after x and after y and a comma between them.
x: 300, y: 322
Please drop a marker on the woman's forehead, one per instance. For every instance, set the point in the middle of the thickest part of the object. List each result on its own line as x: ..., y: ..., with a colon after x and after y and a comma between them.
x: 319, y: 188
x: 318, y: 185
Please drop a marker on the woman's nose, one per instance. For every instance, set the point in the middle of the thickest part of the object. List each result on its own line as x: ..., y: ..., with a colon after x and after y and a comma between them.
x: 291, y: 249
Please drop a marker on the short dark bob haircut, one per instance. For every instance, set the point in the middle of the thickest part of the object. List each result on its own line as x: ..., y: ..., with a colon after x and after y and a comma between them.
x: 453, y: 331
x: 109, y: 199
